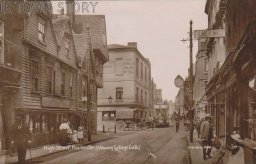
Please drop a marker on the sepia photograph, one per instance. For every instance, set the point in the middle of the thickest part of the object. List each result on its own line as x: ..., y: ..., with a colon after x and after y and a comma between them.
x: 128, y: 81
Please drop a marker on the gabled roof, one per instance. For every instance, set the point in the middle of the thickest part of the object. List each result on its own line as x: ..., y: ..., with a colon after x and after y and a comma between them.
x: 62, y: 27
x: 59, y: 28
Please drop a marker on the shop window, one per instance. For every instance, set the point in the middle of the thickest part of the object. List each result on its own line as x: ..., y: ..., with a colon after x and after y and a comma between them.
x: 44, y: 123
x: 36, y: 124
x: 108, y: 116
x: 252, y: 108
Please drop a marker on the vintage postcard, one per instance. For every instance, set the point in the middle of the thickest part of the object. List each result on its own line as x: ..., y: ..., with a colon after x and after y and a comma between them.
x: 128, y: 81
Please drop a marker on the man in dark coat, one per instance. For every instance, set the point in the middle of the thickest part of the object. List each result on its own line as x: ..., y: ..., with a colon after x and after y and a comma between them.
x: 206, y: 132
x: 20, y: 137
x: 177, y: 119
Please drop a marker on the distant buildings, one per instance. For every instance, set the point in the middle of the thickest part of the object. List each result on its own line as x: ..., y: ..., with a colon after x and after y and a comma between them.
x: 158, y: 96
x: 126, y: 92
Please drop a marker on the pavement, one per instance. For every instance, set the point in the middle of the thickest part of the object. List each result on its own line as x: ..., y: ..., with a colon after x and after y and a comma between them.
x: 196, y: 153
x: 55, y: 148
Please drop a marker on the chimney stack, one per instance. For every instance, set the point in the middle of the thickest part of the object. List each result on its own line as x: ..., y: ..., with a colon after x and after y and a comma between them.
x: 132, y: 44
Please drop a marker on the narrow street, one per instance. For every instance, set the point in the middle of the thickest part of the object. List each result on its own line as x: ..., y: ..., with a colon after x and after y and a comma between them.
x: 164, y: 144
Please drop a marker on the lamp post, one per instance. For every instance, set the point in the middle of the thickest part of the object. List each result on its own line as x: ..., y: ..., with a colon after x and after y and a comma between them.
x: 88, y: 87
x: 190, y: 80
x: 110, y: 99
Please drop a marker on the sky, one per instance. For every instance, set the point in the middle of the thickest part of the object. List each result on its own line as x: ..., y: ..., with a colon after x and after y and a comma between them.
x: 157, y: 26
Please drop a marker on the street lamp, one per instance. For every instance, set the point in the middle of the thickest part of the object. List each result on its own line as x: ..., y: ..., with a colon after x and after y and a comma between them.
x: 88, y: 85
x: 110, y: 99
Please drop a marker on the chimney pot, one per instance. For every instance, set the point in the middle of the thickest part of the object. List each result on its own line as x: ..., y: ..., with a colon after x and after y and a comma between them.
x: 132, y: 44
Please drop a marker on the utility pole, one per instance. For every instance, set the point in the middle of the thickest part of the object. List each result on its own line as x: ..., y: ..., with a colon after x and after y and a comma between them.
x: 88, y: 57
x: 191, y: 81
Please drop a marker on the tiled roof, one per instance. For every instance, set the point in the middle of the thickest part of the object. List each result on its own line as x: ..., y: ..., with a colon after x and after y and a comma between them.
x: 61, y: 26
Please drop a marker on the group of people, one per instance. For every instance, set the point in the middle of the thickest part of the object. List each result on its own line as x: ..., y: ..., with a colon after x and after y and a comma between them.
x: 21, y: 137
x: 210, y: 144
x: 67, y: 134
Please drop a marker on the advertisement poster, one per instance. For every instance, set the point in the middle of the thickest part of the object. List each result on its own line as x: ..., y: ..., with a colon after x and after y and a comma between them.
x: 128, y: 81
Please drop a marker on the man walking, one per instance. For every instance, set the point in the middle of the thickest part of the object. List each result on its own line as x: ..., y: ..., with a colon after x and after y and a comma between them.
x: 206, y: 132
x: 177, y: 119
x: 20, y: 137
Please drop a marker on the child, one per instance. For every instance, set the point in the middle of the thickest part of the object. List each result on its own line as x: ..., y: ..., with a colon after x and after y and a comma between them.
x: 80, y: 134
x: 218, y: 152
x: 75, y: 137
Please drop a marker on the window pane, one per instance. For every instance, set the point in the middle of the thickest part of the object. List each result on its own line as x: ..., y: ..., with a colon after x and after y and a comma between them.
x: 41, y: 29
x: 34, y: 74
x: 119, y: 93
x: 63, y: 84
x: 49, y: 76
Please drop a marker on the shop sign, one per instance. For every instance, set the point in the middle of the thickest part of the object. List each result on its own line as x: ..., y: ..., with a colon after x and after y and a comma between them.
x: 217, y: 33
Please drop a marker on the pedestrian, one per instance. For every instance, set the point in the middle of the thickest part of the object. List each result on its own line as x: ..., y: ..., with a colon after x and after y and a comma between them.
x: 153, y: 122
x: 80, y: 134
x: 218, y: 152
x: 65, y: 132
x: 198, y: 127
x: 206, y: 132
x: 75, y: 137
x: 21, y: 138
x: 177, y: 123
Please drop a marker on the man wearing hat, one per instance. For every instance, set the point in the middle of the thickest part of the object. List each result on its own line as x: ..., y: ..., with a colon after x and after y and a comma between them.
x: 206, y: 132
x: 20, y: 137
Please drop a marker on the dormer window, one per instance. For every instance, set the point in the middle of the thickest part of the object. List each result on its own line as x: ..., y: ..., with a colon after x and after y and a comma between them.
x: 67, y: 48
x: 41, y: 29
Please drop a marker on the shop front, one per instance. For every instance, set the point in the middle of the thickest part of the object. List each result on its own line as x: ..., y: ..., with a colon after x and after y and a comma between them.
x: 44, y: 124
x: 245, y: 67
x: 110, y: 117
